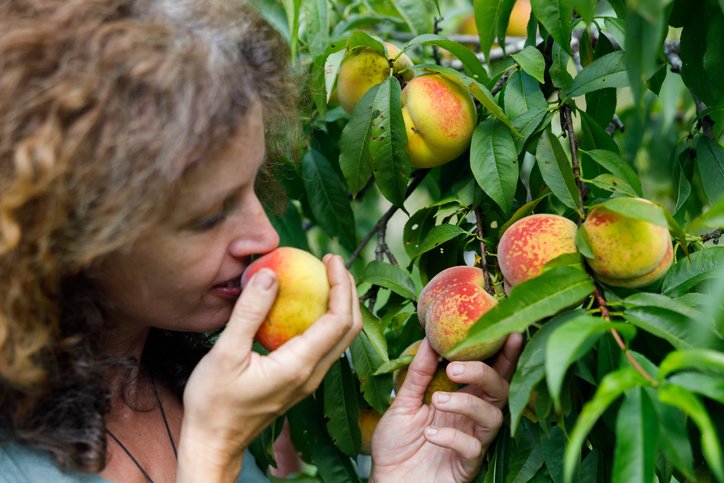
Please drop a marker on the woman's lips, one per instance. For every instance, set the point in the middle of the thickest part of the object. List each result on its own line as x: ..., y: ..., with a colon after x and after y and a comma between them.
x: 230, y: 289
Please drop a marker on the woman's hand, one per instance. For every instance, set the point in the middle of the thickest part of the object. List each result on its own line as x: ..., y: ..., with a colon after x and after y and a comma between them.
x: 234, y: 393
x: 445, y: 441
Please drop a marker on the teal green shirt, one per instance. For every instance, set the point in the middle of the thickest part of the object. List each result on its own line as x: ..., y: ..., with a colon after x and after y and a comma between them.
x: 20, y: 464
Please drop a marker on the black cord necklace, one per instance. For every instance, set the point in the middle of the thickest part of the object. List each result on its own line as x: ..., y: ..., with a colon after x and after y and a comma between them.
x: 168, y: 432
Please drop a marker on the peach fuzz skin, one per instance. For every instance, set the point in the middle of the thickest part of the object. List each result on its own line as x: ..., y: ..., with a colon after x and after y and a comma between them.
x: 440, y: 381
x: 531, y: 242
x: 456, y: 301
x: 627, y: 252
x: 302, y: 298
x: 367, y: 422
x: 439, y: 117
x: 363, y: 69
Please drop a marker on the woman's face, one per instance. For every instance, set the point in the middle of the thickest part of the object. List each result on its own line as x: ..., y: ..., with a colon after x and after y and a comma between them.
x: 184, y: 274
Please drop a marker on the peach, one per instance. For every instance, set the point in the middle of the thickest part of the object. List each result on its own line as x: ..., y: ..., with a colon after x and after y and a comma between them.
x: 627, y: 252
x: 302, y: 298
x: 440, y: 381
x: 451, y: 302
x: 531, y: 242
x: 517, y: 24
x: 439, y: 117
x: 364, y: 68
x: 367, y: 422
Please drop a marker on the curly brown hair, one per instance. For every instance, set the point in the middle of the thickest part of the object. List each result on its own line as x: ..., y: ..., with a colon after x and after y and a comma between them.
x: 104, y: 105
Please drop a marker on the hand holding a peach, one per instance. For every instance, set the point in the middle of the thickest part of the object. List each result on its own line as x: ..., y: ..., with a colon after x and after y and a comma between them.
x: 234, y: 392
x: 445, y: 440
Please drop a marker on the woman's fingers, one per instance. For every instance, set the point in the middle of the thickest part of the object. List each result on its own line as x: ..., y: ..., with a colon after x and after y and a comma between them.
x: 481, y: 380
x: 419, y: 375
x: 249, y: 312
x: 467, y: 446
x: 487, y: 417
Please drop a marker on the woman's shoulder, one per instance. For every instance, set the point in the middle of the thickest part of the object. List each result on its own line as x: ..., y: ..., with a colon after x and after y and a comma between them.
x: 21, y: 464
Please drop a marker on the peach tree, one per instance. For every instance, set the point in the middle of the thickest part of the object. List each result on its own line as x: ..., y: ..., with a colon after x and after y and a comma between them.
x: 598, y: 105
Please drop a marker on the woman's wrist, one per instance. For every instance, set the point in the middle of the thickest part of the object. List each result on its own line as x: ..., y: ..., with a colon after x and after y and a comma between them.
x: 200, y: 461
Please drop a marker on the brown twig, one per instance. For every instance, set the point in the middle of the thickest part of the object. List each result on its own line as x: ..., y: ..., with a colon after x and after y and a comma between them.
x: 479, y: 220
x: 416, y: 180
x: 567, y: 126
x: 601, y: 301
x: 501, y: 82
x: 715, y: 235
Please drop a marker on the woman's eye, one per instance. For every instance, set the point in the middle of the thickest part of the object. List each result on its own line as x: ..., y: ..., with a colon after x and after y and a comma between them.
x: 208, y: 223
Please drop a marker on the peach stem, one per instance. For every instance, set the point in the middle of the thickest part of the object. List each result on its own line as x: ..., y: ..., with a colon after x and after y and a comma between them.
x: 483, y: 252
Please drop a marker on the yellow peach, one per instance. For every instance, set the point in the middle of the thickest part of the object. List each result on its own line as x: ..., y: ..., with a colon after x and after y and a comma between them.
x: 439, y: 117
x: 364, y: 68
x: 531, y: 242
x: 302, y: 298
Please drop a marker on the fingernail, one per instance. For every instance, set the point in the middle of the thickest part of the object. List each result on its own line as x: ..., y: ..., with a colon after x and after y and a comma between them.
x: 458, y: 369
x: 442, y: 397
x: 430, y: 431
x: 263, y: 279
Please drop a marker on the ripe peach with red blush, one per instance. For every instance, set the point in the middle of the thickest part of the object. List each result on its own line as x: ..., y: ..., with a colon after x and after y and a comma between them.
x: 449, y: 305
x: 302, y: 298
x: 531, y: 242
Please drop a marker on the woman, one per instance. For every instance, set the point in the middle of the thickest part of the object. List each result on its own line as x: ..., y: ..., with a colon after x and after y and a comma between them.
x: 132, y: 136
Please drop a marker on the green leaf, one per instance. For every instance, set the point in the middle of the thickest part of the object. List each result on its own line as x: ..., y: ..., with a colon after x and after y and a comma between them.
x: 311, y: 439
x: 388, y: 143
x: 273, y: 12
x: 538, y: 298
x: 682, y: 326
x: 394, y: 364
x: 611, y: 183
x: 531, y: 368
x: 689, y: 403
x: 710, y: 163
x: 522, y: 212
x: 340, y: 407
x: 688, y: 272
x: 527, y: 458
x: 610, y: 388
x: 437, y: 236
x: 643, y: 41
x: 417, y: 15
x: 478, y: 90
x: 701, y: 359
x: 570, y: 342
x: 637, y: 435
x: 487, y: 14
x: 289, y: 227
x: 367, y: 358
x: 354, y: 143
x: 556, y: 16
x: 471, y: 63
x: 704, y: 384
x: 371, y: 328
x: 713, y: 218
x: 559, y: 68
x: 328, y: 199
x: 494, y: 162
x: 586, y: 9
x: 637, y: 210
x: 316, y: 25
x: 331, y: 68
x: 522, y: 95
x: 556, y: 170
x: 390, y: 277
x: 604, y: 72
x: 674, y: 435
x: 614, y: 164
x: 532, y: 62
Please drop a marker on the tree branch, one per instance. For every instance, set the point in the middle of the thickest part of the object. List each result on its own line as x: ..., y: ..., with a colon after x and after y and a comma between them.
x: 715, y: 235
x: 483, y: 251
x: 417, y: 178
x: 567, y: 126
